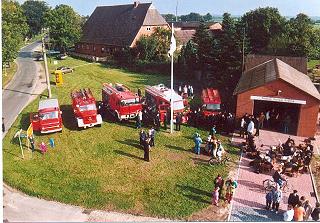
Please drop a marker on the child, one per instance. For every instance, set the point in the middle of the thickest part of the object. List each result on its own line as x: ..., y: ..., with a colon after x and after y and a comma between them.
x: 215, y: 196
x: 269, y: 198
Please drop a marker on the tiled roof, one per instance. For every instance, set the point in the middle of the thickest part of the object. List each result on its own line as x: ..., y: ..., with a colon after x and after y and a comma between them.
x: 273, y: 70
x: 184, y: 35
x: 118, y: 25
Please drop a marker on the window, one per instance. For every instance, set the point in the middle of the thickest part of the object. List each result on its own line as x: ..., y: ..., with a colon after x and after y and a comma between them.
x: 130, y: 101
x: 148, y: 29
x: 90, y: 107
x: 49, y: 115
x: 213, y: 107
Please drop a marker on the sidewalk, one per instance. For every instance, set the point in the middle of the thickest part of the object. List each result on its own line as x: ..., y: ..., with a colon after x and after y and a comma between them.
x: 249, y: 199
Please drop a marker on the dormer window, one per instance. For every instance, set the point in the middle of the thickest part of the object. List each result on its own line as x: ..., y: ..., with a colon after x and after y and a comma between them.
x: 148, y: 28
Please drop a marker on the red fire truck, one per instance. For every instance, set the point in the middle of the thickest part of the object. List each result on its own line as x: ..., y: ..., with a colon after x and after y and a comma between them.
x: 48, y: 119
x: 158, y: 98
x: 85, y: 109
x: 211, y: 102
x: 120, y: 101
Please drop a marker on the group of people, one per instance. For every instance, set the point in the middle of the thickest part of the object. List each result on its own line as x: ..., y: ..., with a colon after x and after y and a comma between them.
x: 147, y: 141
x: 219, y: 184
x: 300, y: 209
x: 186, y: 91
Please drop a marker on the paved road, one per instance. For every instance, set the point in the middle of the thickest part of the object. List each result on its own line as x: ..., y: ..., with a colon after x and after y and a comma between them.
x: 249, y: 200
x: 27, y: 83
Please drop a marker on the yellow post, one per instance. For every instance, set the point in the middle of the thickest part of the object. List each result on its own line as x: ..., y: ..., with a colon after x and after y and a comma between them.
x: 59, y: 78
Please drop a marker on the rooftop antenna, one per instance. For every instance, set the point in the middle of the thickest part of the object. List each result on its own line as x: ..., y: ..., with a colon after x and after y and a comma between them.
x: 177, y: 11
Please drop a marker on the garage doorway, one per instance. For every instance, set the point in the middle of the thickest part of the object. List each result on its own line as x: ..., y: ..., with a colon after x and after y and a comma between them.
x: 281, y: 114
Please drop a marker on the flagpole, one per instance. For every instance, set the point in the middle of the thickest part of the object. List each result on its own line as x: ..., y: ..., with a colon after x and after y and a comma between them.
x: 171, y: 121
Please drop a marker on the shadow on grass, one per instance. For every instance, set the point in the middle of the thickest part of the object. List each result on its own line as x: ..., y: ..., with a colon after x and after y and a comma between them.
x: 69, y: 121
x: 194, y: 193
x: 178, y: 148
x: 122, y: 153
x: 131, y: 143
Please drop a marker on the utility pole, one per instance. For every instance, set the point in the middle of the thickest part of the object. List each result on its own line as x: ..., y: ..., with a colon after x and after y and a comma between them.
x: 46, y: 67
x: 177, y: 11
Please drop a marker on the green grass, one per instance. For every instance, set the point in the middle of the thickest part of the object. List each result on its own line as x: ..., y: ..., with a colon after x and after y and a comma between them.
x: 102, y: 168
x: 8, y: 73
x: 313, y: 63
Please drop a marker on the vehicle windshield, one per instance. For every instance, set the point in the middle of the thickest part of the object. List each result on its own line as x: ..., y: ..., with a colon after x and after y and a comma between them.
x: 49, y: 115
x: 130, y: 101
x: 90, y: 107
x: 213, y: 107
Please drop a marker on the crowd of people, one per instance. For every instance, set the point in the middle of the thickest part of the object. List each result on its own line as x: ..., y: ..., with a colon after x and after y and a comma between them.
x: 185, y: 91
x: 219, y: 185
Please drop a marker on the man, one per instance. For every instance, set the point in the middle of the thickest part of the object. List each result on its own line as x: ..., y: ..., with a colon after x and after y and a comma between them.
x: 165, y: 121
x: 146, y: 149
x: 242, y: 127
x: 250, y: 128
x: 256, y: 121
x: 288, y: 215
x: 315, y: 215
x: 231, y: 187
x: 178, y: 122
x: 293, y: 198
x: 277, y: 196
x: 278, y: 178
x: 143, y: 137
x: 157, y: 121
x: 197, y: 141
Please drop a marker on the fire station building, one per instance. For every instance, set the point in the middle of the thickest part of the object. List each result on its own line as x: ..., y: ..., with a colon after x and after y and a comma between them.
x: 275, y: 85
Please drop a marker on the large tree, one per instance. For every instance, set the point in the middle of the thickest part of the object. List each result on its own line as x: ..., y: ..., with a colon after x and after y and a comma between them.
x: 34, y: 11
x: 14, y: 29
x: 191, y: 17
x: 262, y: 24
x: 64, y: 27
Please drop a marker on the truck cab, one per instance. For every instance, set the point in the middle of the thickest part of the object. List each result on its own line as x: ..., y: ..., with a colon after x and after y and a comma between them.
x: 85, y: 109
x: 120, y: 101
x: 48, y: 118
x: 211, y: 102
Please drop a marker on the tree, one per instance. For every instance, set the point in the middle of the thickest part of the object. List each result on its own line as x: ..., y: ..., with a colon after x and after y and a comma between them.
x: 262, y: 24
x: 203, y: 41
x: 191, y: 17
x: 154, y: 48
x: 64, y: 27
x: 207, y: 18
x: 14, y: 29
x: 169, y: 17
x: 34, y: 11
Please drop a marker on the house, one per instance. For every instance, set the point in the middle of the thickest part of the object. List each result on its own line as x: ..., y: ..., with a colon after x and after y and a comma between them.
x: 113, y: 28
x: 274, y: 84
x: 184, y: 31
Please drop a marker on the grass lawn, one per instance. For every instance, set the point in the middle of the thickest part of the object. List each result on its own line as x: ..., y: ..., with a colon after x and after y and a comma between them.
x: 8, y: 73
x: 313, y: 63
x: 102, y: 168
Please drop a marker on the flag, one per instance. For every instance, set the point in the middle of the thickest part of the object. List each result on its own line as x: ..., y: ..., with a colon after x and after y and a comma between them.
x: 173, y: 44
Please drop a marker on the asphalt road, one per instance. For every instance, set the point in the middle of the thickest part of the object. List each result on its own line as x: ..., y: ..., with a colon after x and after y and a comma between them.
x: 23, y: 87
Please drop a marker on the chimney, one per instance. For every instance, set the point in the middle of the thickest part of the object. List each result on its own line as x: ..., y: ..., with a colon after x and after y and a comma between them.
x: 135, y: 4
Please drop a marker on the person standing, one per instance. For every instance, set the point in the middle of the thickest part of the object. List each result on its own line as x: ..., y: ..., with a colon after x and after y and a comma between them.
x: 213, y: 130
x: 231, y: 187
x: 315, y: 215
x: 31, y: 140
x: 157, y: 121
x: 268, y: 119
x: 152, y: 134
x: 165, y: 121
x: 250, y: 128
x: 262, y: 117
x: 180, y: 90
x: 178, y: 122
x: 288, y: 215
x: 219, y: 182
x: 139, y: 93
x: 242, y: 127
x: 197, y: 141
x: 185, y: 91
x: 308, y: 210
x: 277, y: 196
x: 191, y: 91
x: 269, y: 199
x: 256, y: 121
x: 146, y: 149
x: 139, y: 120
x: 142, y: 137
x: 298, y: 212
x: 293, y: 198
x: 215, y: 196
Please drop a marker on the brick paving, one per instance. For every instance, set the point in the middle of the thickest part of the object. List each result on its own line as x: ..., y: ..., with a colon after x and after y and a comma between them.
x: 249, y: 199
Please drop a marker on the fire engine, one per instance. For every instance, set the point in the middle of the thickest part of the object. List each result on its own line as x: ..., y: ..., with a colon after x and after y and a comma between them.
x: 158, y: 98
x: 85, y: 109
x: 120, y: 101
x: 211, y: 102
x: 48, y: 119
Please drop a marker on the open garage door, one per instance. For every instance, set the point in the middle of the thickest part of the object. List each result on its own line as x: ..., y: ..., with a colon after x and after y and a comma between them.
x: 282, y: 115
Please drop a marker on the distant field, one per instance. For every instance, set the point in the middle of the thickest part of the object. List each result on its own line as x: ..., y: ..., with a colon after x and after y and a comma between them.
x: 317, y: 25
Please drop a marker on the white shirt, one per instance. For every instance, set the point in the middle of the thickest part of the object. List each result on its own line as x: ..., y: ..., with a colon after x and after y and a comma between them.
x: 288, y: 215
x: 185, y: 90
x: 267, y: 115
x: 250, y: 127
x: 242, y: 123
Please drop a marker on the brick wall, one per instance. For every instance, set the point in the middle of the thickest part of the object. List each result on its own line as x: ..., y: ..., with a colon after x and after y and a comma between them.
x: 308, y: 113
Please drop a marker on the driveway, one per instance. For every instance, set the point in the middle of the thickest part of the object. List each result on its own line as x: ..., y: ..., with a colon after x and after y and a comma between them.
x: 28, y: 82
